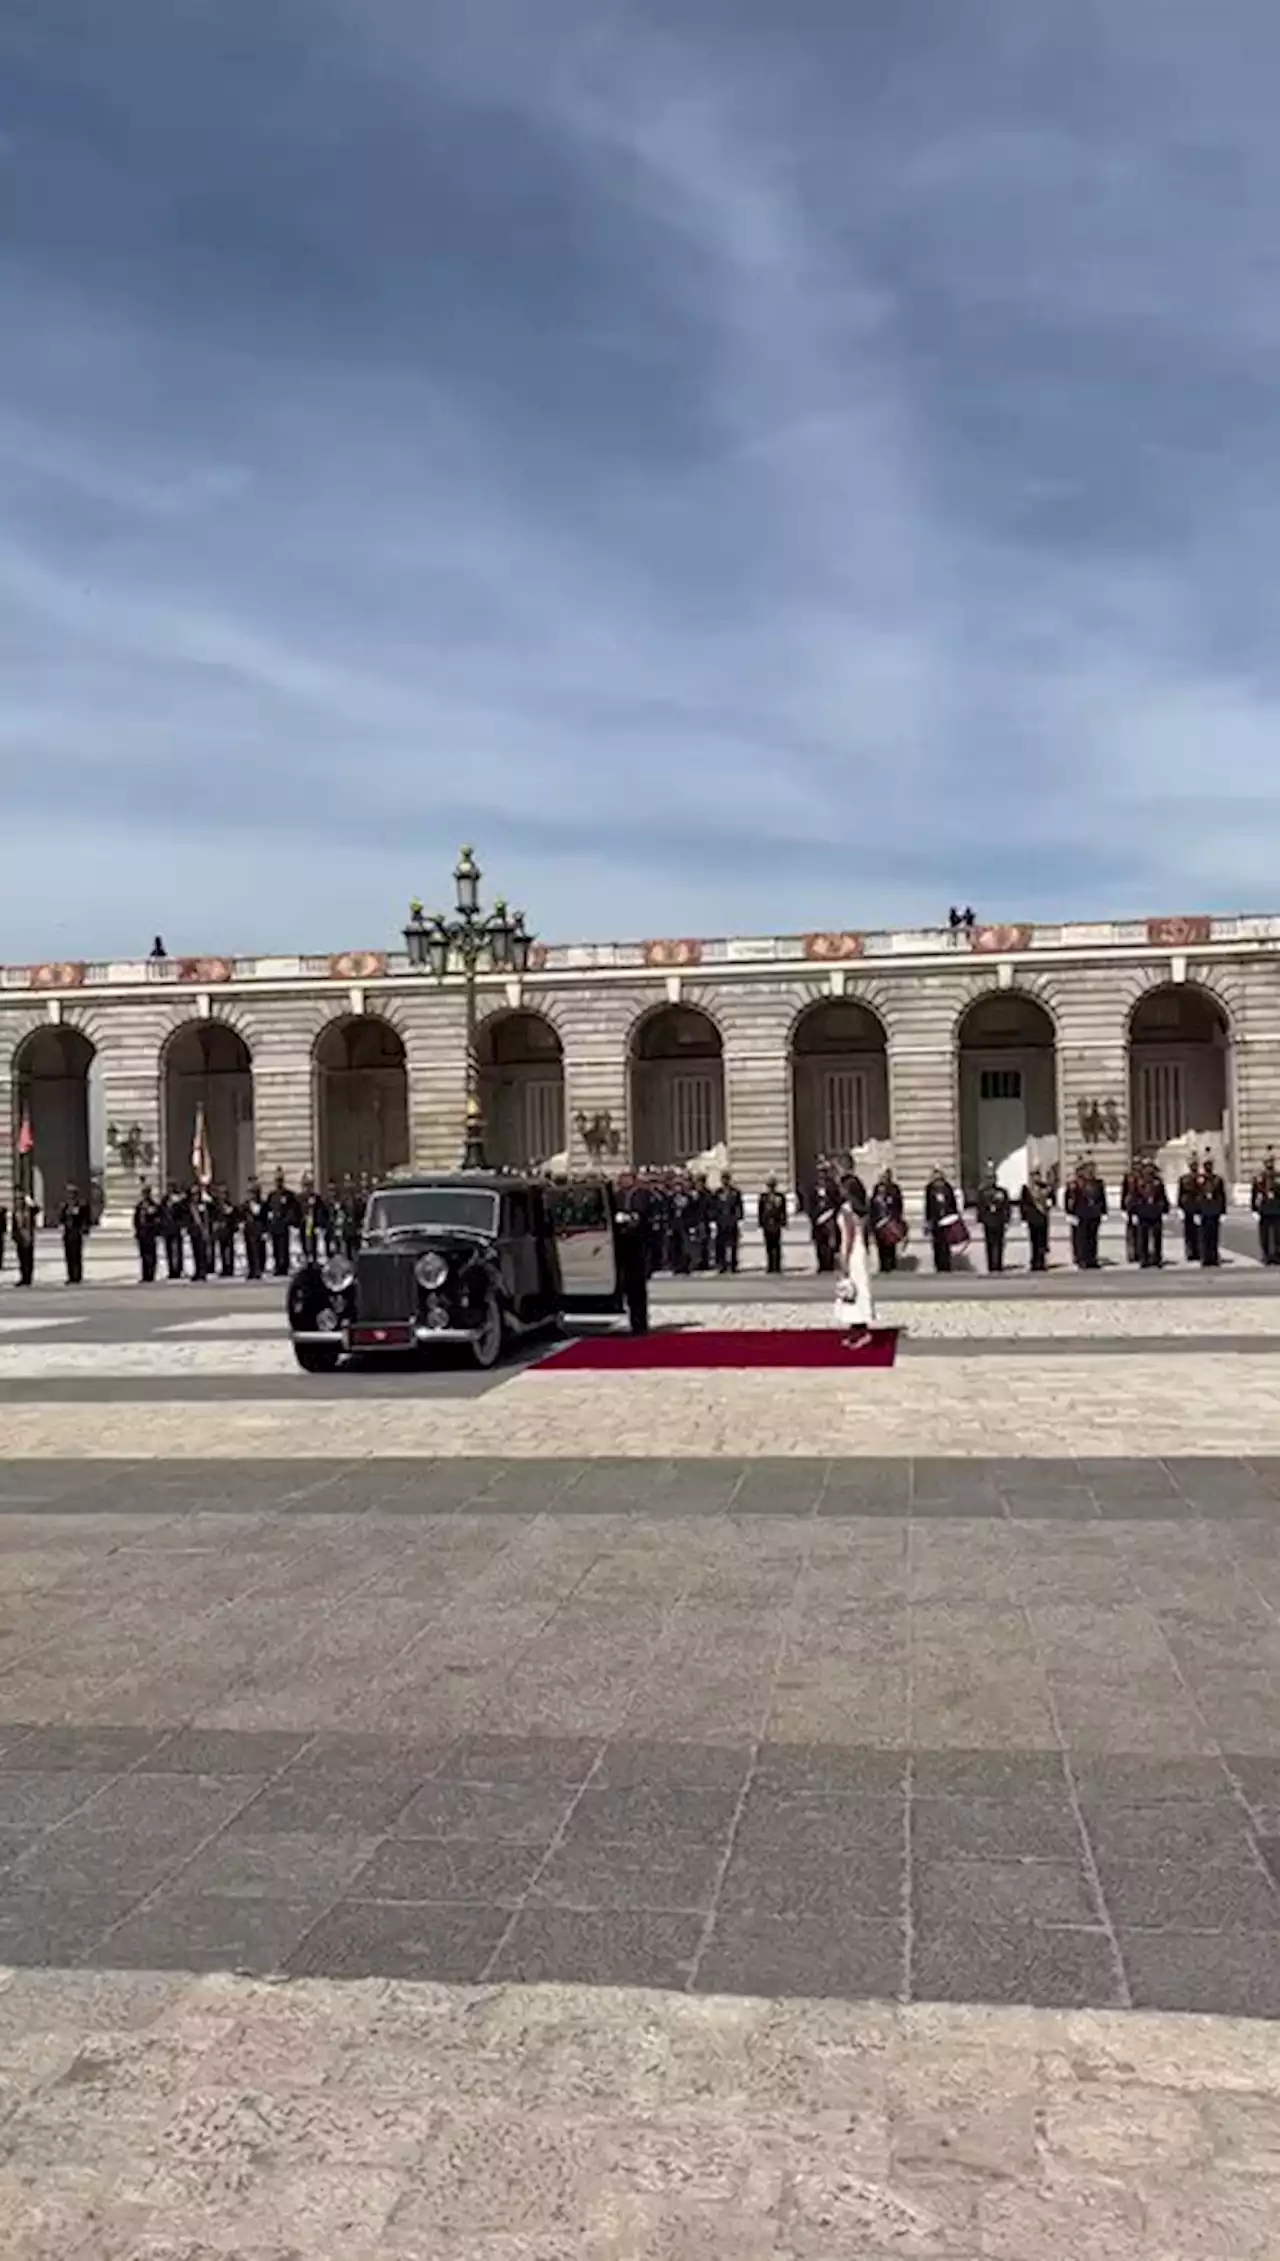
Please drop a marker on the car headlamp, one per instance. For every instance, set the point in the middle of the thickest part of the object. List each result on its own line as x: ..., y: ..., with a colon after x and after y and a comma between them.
x: 431, y: 1270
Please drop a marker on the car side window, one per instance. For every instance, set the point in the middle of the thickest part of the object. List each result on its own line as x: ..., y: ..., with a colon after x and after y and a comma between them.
x: 580, y: 1208
x: 518, y: 1222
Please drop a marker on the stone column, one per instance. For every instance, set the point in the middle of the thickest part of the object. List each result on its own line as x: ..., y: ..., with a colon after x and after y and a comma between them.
x: 595, y: 1027
x: 130, y: 1035
x: 924, y: 1116
x: 1093, y: 1007
x: 757, y: 1075
x: 432, y: 1022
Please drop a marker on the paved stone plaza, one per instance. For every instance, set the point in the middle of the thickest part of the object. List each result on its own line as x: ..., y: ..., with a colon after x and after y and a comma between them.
x: 628, y: 1815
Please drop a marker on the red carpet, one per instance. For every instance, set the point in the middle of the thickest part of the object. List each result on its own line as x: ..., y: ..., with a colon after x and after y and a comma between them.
x: 701, y: 1347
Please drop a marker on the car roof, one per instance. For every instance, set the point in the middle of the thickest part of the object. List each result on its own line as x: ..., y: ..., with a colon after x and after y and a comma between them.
x: 470, y: 1181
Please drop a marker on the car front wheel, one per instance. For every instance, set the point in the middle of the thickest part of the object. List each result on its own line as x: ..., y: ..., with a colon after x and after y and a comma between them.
x: 317, y: 1357
x: 486, y: 1347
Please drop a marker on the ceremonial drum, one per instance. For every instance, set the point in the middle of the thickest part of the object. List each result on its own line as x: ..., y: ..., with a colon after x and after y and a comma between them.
x: 954, y: 1231
x: 891, y: 1231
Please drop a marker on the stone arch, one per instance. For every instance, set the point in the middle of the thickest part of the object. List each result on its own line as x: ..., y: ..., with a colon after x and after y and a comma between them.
x: 520, y: 1056
x: 1007, y: 1086
x: 676, y: 1068
x: 1181, y: 1074
x: 360, y: 1073
x: 838, y: 1054
x: 52, y: 1067
x: 206, y: 1074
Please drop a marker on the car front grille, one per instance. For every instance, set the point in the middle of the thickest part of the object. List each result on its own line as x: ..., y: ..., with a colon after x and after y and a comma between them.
x: 385, y: 1286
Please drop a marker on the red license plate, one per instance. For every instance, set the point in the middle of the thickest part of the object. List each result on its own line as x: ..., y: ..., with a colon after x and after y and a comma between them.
x: 395, y: 1336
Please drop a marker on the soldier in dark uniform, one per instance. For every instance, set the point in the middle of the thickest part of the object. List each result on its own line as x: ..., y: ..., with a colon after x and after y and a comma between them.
x: 1264, y: 1200
x: 824, y: 1215
x: 4, y: 1227
x: 1148, y: 1208
x: 1189, y: 1204
x: 173, y: 1220
x: 226, y: 1217
x: 352, y: 1216
x: 994, y: 1209
x: 313, y: 1219
x: 1035, y: 1204
x: 886, y: 1215
x: 146, y: 1231
x: 252, y: 1218
x: 1086, y: 1205
x: 198, y: 1231
x: 728, y: 1222
x: 771, y: 1218
x: 74, y: 1220
x: 333, y: 1219
x: 1129, y: 1185
x: 280, y: 1215
x: 703, y: 1226
x: 680, y: 1223
x: 940, y: 1203
x: 24, y: 1237
x: 1211, y: 1208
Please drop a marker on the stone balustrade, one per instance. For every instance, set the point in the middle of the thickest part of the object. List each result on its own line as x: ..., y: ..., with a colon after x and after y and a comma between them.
x: 848, y: 947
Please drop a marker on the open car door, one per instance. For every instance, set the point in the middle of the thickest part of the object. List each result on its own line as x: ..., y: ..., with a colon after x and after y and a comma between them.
x: 582, y: 1215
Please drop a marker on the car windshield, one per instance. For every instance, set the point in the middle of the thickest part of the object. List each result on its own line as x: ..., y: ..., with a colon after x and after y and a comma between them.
x: 456, y: 1206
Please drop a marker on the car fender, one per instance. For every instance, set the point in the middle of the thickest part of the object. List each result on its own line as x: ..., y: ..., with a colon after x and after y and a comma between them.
x: 306, y: 1297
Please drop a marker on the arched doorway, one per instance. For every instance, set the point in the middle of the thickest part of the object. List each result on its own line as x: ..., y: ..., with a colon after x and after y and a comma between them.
x: 207, y: 1064
x: 839, y: 1086
x: 677, y: 1086
x: 1180, y: 1077
x: 1008, y: 1089
x: 361, y: 1098
x: 51, y: 1092
x: 521, y: 1089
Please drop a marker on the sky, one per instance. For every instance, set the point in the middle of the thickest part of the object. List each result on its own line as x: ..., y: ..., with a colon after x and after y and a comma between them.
x: 745, y: 467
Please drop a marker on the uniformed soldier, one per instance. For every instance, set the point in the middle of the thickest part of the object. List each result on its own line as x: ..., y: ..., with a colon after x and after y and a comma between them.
x: 994, y: 1209
x: 352, y: 1217
x: 198, y: 1230
x: 727, y: 1212
x: 226, y: 1217
x: 1189, y: 1204
x: 173, y: 1220
x: 4, y: 1227
x: 146, y: 1231
x: 680, y: 1223
x: 824, y: 1214
x: 1035, y: 1206
x: 1085, y: 1203
x: 1211, y: 1207
x: 1264, y: 1200
x: 1129, y: 1185
x: 24, y: 1237
x: 313, y: 1219
x: 253, y: 1221
x: 886, y: 1215
x: 333, y: 1218
x: 703, y: 1226
x: 74, y: 1220
x: 1149, y: 1206
x: 280, y: 1216
x: 771, y: 1218
x: 941, y: 1208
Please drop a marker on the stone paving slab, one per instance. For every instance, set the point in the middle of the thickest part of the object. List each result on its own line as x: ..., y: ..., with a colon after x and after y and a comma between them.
x: 1143, y: 1404
x: 150, y: 2118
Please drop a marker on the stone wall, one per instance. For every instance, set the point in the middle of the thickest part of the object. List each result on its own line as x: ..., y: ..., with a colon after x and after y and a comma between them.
x: 754, y: 1012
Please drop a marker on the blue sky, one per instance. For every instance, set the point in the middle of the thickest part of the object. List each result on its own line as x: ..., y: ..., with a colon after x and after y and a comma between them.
x: 745, y: 467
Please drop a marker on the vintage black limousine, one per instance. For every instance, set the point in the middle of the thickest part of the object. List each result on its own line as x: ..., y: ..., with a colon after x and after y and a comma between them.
x: 472, y: 1257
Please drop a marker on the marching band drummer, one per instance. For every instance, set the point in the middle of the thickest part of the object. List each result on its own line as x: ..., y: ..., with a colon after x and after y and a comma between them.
x: 855, y: 1304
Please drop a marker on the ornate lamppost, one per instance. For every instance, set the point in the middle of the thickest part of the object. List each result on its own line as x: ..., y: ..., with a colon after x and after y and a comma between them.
x: 494, y: 942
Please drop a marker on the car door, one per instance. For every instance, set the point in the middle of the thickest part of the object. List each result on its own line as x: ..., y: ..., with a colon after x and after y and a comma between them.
x: 583, y: 1212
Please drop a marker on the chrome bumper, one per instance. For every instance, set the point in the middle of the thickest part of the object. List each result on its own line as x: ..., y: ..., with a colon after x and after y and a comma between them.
x: 341, y: 1337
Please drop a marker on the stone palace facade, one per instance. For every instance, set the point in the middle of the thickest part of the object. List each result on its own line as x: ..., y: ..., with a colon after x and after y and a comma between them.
x: 916, y: 1047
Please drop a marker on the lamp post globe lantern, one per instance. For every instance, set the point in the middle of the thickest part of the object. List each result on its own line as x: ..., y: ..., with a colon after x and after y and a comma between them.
x: 474, y: 943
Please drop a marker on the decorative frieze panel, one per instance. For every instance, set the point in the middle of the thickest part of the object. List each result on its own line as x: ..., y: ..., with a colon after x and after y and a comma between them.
x: 829, y: 949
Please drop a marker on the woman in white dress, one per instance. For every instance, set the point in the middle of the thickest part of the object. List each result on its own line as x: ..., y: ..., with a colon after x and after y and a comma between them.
x: 855, y: 1303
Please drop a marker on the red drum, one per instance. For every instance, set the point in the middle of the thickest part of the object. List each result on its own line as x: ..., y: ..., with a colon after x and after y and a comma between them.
x: 891, y: 1231
x: 955, y: 1232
